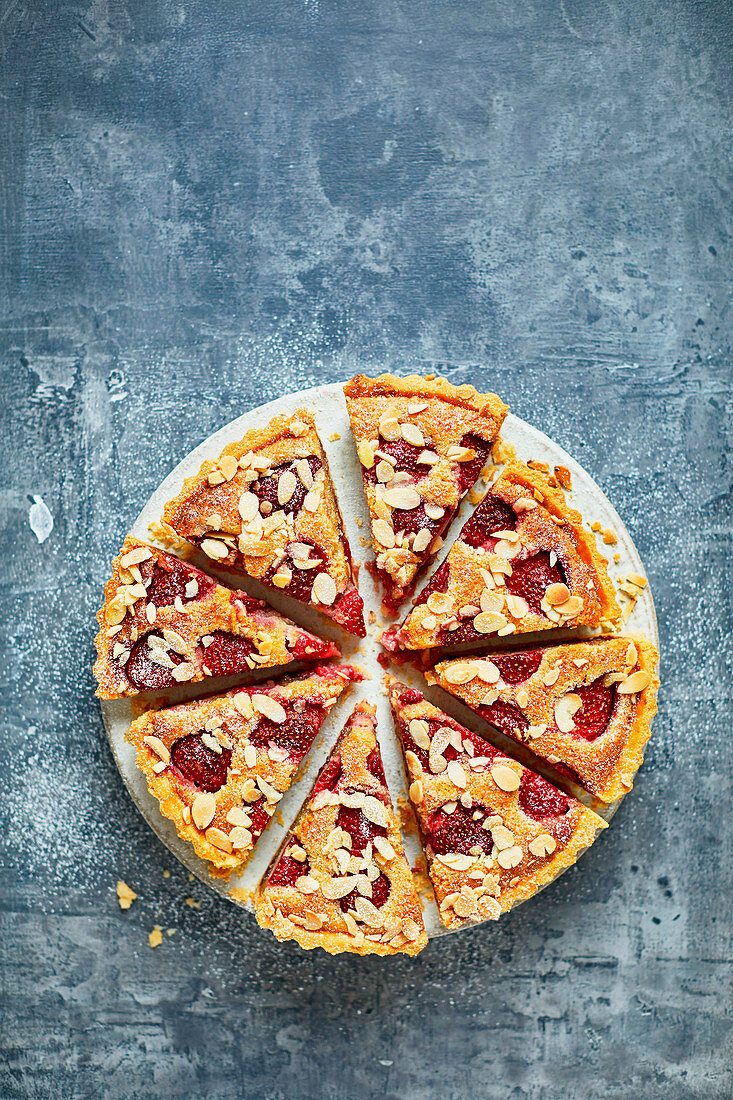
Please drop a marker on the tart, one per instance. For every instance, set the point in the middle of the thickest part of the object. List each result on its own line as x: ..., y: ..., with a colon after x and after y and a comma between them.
x: 521, y: 563
x: 494, y: 832
x: 341, y: 880
x: 219, y: 766
x: 422, y: 444
x: 585, y: 708
x: 164, y: 622
x: 267, y: 508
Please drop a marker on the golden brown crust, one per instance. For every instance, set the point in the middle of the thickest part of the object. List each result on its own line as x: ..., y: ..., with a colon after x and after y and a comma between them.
x: 128, y: 615
x: 606, y: 766
x: 216, y: 510
x: 526, y: 853
x: 476, y: 589
x: 258, y: 773
x: 309, y: 911
x: 432, y: 415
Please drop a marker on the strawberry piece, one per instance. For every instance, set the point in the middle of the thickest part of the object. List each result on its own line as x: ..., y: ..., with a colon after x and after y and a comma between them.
x: 469, y: 471
x: 265, y: 489
x: 169, y: 579
x: 413, y: 520
x: 405, y: 455
x: 458, y: 832
x: 375, y: 766
x: 349, y: 612
x: 593, y: 717
x: 145, y: 674
x: 506, y: 717
x: 329, y: 777
x: 491, y: 515
x: 380, y: 893
x: 439, y: 583
x: 200, y: 764
x: 359, y: 827
x: 539, y: 799
x: 515, y: 667
x: 227, y: 654
x: 287, y: 870
x: 295, y: 734
x: 530, y: 579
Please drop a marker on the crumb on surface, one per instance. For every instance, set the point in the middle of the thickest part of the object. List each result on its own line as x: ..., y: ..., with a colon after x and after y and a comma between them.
x: 155, y: 938
x: 372, y: 617
x: 609, y: 536
x: 192, y: 903
x: 166, y: 873
x: 125, y: 895
x: 334, y: 436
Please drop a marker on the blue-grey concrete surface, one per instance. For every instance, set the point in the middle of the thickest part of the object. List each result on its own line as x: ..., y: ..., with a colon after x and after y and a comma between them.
x: 206, y: 204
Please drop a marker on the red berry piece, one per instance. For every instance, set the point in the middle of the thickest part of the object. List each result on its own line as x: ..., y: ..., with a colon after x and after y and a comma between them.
x: 464, y: 632
x: 295, y: 734
x: 439, y: 583
x: 306, y: 648
x: 301, y: 582
x: 410, y: 521
x: 227, y: 654
x: 266, y: 488
x: 349, y: 611
x: 469, y: 471
x: 516, y: 667
x: 380, y: 893
x: 287, y: 870
x: 329, y: 777
x: 258, y: 816
x: 405, y: 456
x: 539, y: 799
x: 169, y: 580
x: 458, y: 832
x: 530, y: 579
x: 375, y: 766
x: 595, y: 713
x: 143, y: 673
x: 359, y: 827
x: 199, y: 764
x: 506, y: 717
x: 491, y: 515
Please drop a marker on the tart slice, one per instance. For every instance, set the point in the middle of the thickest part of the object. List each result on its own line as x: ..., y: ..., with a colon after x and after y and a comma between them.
x: 267, y: 508
x: 219, y: 766
x: 164, y: 622
x: 494, y: 832
x: 421, y: 443
x: 586, y: 708
x: 522, y: 562
x: 341, y: 881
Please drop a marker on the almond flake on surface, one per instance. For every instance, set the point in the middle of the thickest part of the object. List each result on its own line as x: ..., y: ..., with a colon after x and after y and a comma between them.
x: 375, y: 811
x: 510, y: 857
x: 269, y: 707
x: 182, y: 672
x: 416, y: 791
x: 412, y: 434
x: 428, y: 458
x: 228, y: 465
x: 487, y: 671
x: 565, y: 708
x: 203, y: 809
x: 551, y: 676
x: 415, y: 407
x: 385, y: 471
x: 505, y: 777
x: 158, y: 747
x: 384, y: 533
x: 429, y: 622
x: 422, y: 540
x: 542, y: 845
x: 365, y: 452
x: 637, y: 579
x: 632, y: 654
x: 215, y: 549
x: 488, y: 622
x: 457, y: 861
x: 419, y: 733
x: 306, y: 884
x: 440, y: 603
x: 219, y: 839
x: 404, y: 497
x: 368, y: 913
x: 324, y: 589
x: 524, y: 504
x: 286, y: 487
x: 572, y: 607
x: 125, y: 895
x: 139, y: 554
x: 460, y: 673
x: 456, y: 774
x: 336, y: 888
x: 248, y: 506
x: 238, y: 816
x: 557, y: 594
x: 384, y: 848
x: 303, y: 470
x: 637, y: 681
x: 502, y: 837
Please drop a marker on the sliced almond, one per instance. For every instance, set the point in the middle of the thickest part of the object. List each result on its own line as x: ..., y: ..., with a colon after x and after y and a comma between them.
x: 219, y: 839
x: 557, y: 594
x: 215, y: 549
x: 303, y: 470
x: 571, y: 607
x: 203, y: 809
x: 250, y: 755
x: 183, y: 672
x: 336, y: 888
x: 524, y: 504
x: 286, y: 487
x: 417, y: 406
x: 306, y: 884
x: 551, y: 676
x: 510, y: 857
x: 487, y: 671
x: 457, y: 861
x: 457, y: 775
x: 324, y: 589
x: 249, y: 506
x: 158, y: 747
x: 488, y: 622
x: 422, y: 540
x: 383, y: 532
x: 375, y: 811
x: 440, y: 603
x: 505, y: 777
x: 565, y: 708
x: 385, y: 472
x: 419, y: 733
x: 139, y: 554
x: 416, y: 791
x: 384, y: 848
x: 632, y: 654
x: 637, y: 681
x: 461, y: 672
x: 365, y: 452
x: 428, y: 458
x: 542, y: 845
x: 269, y: 707
x: 238, y: 816
x: 412, y: 434
x: 403, y: 497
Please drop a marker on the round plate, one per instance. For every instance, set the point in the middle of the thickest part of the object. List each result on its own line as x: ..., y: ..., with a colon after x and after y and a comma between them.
x: 329, y: 408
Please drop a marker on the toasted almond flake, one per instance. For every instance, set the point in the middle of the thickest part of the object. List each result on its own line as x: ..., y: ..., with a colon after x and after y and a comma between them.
x: 219, y: 839
x: 415, y: 407
x: 571, y: 607
x: 248, y: 506
x: 524, y: 504
x: 502, y: 837
x: 440, y: 603
x: 159, y: 767
x: 211, y: 743
x: 203, y: 809
x: 557, y: 594
x: 487, y: 671
x: 542, y: 845
x: 183, y: 672
x: 365, y: 451
x: 125, y: 895
x: 306, y: 884
x: 324, y: 589
x: 303, y: 470
x: 422, y: 540
x: 510, y: 857
x: 632, y: 654
x: 158, y: 747
x: 637, y: 681
x: 272, y: 794
x: 505, y: 777
x: 265, y: 704
x: 215, y: 549
x: 412, y: 434
x: 551, y: 676
x: 416, y: 791
x: 238, y: 816
x: 313, y: 499
x: 384, y: 848
x: 336, y: 888
x: 285, y: 487
x: 565, y: 708
x: 459, y: 454
x: 385, y: 472
x: 428, y: 458
x: 457, y: 861
x: 240, y: 838
x: 139, y: 554
x: 375, y: 811
x: 456, y: 774
x: 403, y: 497
x: 429, y: 622
x: 368, y: 913
x: 250, y: 755
x: 390, y: 429
x: 383, y: 532
x: 637, y: 579
x: 353, y: 800
x: 489, y: 621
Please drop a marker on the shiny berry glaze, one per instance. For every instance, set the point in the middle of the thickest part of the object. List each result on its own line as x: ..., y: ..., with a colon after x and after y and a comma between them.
x: 266, y: 487
x: 458, y: 832
x: 169, y: 579
x: 349, y: 611
x: 380, y: 893
x: 360, y: 828
x: 306, y: 646
x: 143, y: 673
x: 329, y: 777
x: 439, y: 583
x: 491, y: 515
x: 506, y: 717
x: 410, y: 696
x: 227, y: 654
x: 295, y: 734
x: 301, y: 583
x: 530, y: 579
x: 540, y: 799
x: 412, y: 520
x: 593, y: 717
x: 199, y: 764
x: 405, y: 455
x: 287, y: 870
x: 258, y: 816
x: 469, y: 471
x: 516, y: 667
x: 375, y: 766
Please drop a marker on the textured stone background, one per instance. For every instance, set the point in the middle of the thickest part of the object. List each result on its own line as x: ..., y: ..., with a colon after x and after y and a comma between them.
x: 203, y: 205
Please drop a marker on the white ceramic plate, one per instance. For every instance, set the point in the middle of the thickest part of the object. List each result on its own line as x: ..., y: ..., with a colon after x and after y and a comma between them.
x: 328, y: 406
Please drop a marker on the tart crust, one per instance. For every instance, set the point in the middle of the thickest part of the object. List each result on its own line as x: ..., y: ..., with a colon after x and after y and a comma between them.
x: 523, y: 852
x: 217, y: 511
x: 310, y: 910
x: 183, y: 626
x: 259, y: 771
x: 606, y: 765
x: 468, y: 599
x: 434, y: 417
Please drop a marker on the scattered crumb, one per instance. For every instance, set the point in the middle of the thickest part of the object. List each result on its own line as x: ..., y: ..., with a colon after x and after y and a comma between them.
x: 536, y: 464
x: 562, y: 473
x: 609, y: 536
x: 616, y: 559
x: 407, y: 816
x: 170, y: 931
x: 502, y: 452
x: 637, y: 579
x: 190, y: 878
x: 372, y: 617
x: 360, y: 523
x: 192, y: 903
x: 156, y: 936
x: 239, y: 894
x: 166, y: 874
x: 334, y: 436
x: 429, y: 377
x: 165, y: 535
x: 595, y: 526
x: 474, y: 496
x: 125, y: 895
